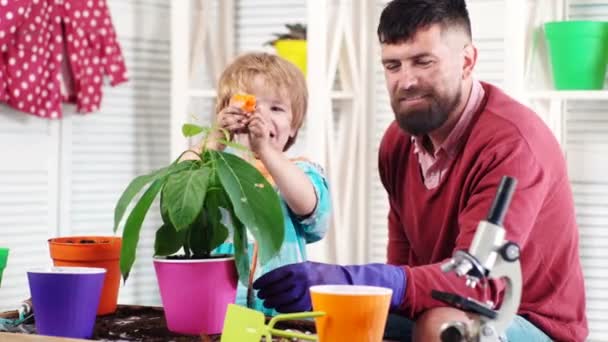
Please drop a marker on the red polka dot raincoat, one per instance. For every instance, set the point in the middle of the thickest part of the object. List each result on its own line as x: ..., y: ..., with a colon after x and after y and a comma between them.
x: 53, y: 51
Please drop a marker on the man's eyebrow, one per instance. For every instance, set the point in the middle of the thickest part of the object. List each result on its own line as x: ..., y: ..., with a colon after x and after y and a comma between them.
x: 389, y: 60
x: 416, y: 56
x: 422, y: 55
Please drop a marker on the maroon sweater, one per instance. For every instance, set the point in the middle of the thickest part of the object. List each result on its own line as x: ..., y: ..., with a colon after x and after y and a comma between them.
x: 426, y: 226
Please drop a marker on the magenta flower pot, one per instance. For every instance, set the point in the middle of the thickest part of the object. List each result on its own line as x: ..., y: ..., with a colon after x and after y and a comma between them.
x: 196, y: 293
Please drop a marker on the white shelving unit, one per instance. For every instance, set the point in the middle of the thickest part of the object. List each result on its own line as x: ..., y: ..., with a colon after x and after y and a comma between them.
x: 535, y: 86
x: 579, y: 119
x: 565, y: 95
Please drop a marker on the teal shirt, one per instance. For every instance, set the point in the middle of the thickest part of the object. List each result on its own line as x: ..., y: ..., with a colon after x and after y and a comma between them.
x: 298, y: 232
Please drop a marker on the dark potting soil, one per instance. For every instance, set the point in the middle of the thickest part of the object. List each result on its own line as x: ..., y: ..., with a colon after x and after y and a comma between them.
x: 183, y: 257
x: 145, y: 323
x: 137, y: 323
x: 84, y: 241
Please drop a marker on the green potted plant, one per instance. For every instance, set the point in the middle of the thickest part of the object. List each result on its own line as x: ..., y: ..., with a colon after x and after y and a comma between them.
x: 292, y: 45
x: 197, y: 199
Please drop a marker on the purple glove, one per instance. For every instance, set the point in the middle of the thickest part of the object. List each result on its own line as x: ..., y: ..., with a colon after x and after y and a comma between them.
x: 286, y: 288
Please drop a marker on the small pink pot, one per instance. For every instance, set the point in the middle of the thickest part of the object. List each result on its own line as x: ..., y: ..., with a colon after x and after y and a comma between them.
x: 196, y: 293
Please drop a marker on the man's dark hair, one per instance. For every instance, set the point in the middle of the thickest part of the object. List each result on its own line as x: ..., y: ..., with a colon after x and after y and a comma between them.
x: 401, y: 19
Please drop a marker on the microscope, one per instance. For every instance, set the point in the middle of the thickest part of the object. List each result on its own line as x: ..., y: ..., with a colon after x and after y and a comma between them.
x: 489, y: 256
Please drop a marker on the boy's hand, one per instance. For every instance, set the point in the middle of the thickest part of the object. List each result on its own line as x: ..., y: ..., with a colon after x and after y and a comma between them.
x: 259, y: 134
x: 233, y: 119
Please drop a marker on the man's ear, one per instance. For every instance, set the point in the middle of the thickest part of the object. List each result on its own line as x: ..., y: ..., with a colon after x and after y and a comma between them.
x: 470, y: 59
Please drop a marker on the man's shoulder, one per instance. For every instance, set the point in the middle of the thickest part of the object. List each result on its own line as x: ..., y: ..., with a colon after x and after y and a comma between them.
x: 508, y: 130
x: 506, y: 119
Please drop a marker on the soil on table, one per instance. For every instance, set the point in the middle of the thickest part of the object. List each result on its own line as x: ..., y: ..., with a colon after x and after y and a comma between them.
x: 144, y: 323
x: 139, y: 323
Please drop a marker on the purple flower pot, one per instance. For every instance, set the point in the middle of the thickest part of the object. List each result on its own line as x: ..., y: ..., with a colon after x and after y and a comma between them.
x: 66, y: 299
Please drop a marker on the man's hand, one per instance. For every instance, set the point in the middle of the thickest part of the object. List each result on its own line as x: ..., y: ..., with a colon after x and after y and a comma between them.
x: 286, y: 288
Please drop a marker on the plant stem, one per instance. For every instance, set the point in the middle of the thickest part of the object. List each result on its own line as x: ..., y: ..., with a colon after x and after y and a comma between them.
x: 254, y: 263
x: 187, y: 244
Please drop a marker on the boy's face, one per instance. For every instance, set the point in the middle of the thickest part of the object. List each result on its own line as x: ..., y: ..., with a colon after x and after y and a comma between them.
x: 275, y: 108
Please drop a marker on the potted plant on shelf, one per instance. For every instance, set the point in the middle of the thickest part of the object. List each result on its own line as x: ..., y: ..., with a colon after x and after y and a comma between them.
x: 292, y: 45
x: 197, y: 199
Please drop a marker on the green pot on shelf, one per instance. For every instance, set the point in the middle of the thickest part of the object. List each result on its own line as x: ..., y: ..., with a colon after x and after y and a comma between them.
x: 3, y: 259
x: 578, y: 51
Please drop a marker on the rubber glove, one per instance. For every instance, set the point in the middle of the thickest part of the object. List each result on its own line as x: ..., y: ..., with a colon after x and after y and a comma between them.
x: 286, y: 289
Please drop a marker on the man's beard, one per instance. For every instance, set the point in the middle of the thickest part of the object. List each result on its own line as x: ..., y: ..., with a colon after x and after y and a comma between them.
x: 425, y: 119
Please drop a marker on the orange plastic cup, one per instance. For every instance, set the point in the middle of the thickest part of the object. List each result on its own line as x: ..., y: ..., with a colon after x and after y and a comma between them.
x: 96, y: 251
x: 352, y: 313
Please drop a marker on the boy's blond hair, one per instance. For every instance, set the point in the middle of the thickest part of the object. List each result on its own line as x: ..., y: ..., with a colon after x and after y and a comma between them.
x: 283, y: 76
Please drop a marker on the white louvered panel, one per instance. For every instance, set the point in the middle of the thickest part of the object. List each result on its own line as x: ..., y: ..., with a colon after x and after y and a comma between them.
x: 490, y: 65
x: 488, y: 38
x: 256, y: 21
x: 24, y: 217
x: 587, y: 168
x: 27, y: 184
x: 587, y: 153
x: 587, y: 124
x: 128, y: 137
x: 588, y: 9
x: 201, y: 77
x: 382, y: 117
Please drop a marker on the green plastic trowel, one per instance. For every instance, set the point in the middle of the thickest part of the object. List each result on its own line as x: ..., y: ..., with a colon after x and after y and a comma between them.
x: 3, y: 258
x: 246, y: 325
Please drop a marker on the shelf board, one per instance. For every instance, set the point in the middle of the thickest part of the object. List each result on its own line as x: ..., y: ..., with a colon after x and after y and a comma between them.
x: 205, y: 93
x: 342, y: 95
x: 589, y: 95
x: 210, y: 93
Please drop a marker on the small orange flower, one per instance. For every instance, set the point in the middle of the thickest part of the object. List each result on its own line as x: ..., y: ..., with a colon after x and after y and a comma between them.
x: 245, y: 101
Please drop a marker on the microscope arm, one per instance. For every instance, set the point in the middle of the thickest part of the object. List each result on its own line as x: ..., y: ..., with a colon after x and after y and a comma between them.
x: 511, y: 273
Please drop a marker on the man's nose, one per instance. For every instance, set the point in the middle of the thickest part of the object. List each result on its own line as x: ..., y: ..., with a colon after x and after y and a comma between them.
x: 407, y: 79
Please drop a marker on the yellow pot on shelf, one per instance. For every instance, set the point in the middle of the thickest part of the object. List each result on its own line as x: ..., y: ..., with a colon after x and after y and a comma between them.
x: 293, y: 50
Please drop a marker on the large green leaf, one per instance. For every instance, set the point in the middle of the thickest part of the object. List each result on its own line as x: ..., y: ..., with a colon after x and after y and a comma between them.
x: 241, y: 253
x: 206, y: 234
x: 255, y: 202
x: 218, y: 233
x: 133, y: 189
x: 175, y: 168
x: 168, y: 241
x: 241, y: 249
x: 184, y: 195
x: 130, y: 235
x: 183, y: 165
